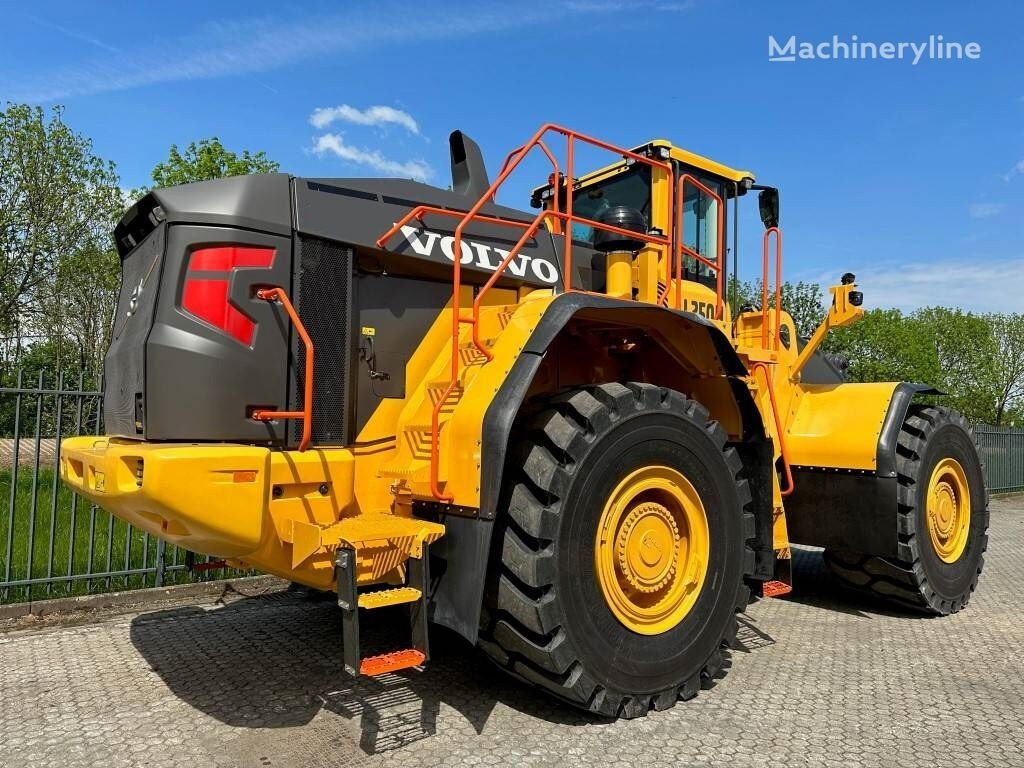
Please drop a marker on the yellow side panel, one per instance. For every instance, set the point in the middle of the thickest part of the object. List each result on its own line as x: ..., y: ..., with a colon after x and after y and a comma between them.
x: 467, y: 421
x: 837, y: 425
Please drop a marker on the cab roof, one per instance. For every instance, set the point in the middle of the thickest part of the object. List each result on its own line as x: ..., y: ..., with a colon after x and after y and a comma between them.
x: 701, y: 162
x: 684, y: 156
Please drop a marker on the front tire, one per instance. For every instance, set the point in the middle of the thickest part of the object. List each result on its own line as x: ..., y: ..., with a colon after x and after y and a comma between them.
x: 623, y: 552
x: 942, y: 520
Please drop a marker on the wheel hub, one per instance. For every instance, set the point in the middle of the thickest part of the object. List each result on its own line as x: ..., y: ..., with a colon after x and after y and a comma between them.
x: 646, y: 546
x: 651, y: 550
x: 948, y: 510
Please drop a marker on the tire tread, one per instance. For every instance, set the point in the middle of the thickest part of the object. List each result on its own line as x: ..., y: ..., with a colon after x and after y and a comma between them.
x: 903, y: 581
x: 524, y: 636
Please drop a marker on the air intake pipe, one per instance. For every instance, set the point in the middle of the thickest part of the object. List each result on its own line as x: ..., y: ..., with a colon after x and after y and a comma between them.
x: 619, y: 248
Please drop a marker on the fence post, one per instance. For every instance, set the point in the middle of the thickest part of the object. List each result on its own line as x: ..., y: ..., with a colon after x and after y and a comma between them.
x: 161, y: 562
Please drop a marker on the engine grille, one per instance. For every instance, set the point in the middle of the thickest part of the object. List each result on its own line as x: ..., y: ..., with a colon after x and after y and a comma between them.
x: 324, y: 284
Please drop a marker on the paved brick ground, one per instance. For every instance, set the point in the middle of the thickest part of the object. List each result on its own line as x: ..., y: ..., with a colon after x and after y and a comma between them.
x: 823, y: 680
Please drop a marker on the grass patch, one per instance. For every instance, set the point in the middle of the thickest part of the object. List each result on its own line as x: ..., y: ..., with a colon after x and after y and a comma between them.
x: 50, y: 532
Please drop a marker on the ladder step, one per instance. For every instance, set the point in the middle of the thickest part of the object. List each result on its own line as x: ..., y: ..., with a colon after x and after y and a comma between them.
x: 410, y: 472
x: 776, y: 588
x: 391, y: 662
x: 385, y: 597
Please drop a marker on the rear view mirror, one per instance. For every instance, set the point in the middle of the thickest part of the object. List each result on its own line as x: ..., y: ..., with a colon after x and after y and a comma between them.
x: 768, y: 203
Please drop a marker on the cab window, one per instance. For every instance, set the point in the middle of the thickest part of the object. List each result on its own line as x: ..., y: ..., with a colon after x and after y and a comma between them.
x: 631, y: 188
x: 700, y: 230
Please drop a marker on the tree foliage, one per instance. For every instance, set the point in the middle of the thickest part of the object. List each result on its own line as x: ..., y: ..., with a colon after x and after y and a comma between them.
x: 1008, y: 367
x: 977, y: 360
x: 58, y: 205
x: 209, y: 159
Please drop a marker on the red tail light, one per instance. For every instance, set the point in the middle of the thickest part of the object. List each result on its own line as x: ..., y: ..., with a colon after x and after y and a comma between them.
x: 206, y: 297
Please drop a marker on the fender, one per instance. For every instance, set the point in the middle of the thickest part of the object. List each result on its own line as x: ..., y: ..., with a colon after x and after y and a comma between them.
x: 465, y: 548
x: 861, y: 502
x: 894, y: 417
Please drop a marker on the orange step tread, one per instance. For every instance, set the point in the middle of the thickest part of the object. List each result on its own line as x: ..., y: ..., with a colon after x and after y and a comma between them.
x: 776, y: 588
x: 391, y: 662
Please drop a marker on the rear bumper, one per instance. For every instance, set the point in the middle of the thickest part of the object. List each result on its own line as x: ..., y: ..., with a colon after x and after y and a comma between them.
x: 210, y: 499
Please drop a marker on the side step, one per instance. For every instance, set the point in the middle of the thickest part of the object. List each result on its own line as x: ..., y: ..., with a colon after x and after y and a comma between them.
x: 385, y: 597
x: 391, y: 662
x: 776, y: 588
x: 350, y: 601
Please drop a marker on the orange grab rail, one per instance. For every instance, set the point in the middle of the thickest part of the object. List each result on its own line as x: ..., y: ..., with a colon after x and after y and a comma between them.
x: 512, y: 161
x: 306, y: 414
x: 682, y: 248
x: 786, y: 470
x: 778, y: 288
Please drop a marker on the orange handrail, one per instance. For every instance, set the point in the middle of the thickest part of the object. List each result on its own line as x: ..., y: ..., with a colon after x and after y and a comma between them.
x: 783, y: 454
x: 682, y: 248
x: 512, y: 161
x: 306, y: 414
x: 565, y: 217
x: 778, y: 288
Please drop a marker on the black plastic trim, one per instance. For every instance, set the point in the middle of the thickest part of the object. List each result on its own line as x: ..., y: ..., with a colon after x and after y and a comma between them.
x: 317, y: 186
x: 885, y: 462
x: 839, y: 510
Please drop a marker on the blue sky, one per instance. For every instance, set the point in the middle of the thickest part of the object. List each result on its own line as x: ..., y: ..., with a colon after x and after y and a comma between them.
x: 912, y: 176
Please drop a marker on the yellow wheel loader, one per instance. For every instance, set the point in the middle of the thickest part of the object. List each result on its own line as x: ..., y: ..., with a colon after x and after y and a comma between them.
x: 548, y: 431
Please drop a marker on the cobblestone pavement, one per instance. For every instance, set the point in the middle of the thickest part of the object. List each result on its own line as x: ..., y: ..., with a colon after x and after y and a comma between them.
x: 822, y: 679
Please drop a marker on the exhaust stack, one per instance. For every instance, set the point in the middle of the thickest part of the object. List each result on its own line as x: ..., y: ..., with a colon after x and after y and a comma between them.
x: 469, y: 175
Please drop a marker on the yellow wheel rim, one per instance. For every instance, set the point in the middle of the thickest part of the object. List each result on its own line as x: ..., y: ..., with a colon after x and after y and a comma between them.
x: 949, y: 510
x: 652, y: 549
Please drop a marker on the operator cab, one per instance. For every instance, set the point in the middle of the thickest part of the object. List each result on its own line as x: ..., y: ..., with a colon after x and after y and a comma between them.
x: 646, y: 189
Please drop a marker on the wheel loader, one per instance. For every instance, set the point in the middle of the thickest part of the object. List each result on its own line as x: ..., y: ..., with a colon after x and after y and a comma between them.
x: 548, y: 430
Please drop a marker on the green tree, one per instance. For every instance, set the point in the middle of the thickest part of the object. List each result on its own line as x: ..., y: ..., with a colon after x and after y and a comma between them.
x: 77, y: 314
x: 1007, y: 367
x: 58, y: 205
x: 977, y: 360
x: 209, y: 159
x: 886, y: 345
x: 966, y: 351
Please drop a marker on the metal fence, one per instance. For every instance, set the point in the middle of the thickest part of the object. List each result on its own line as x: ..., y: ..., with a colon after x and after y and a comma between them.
x: 1002, y: 450
x: 55, y: 543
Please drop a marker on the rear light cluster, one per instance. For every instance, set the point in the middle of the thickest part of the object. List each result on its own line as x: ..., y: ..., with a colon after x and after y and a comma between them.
x: 205, y: 295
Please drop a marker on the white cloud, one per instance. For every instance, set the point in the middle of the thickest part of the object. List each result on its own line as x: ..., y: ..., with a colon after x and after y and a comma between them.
x: 1018, y: 168
x: 334, y: 144
x: 375, y: 116
x: 75, y: 34
x: 984, y: 210
x: 971, y: 283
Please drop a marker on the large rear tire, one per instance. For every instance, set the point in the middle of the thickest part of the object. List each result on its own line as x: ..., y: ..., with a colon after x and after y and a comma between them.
x: 623, y: 550
x: 942, y: 519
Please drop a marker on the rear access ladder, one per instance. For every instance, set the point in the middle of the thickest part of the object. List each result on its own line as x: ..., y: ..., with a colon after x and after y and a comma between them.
x: 350, y: 600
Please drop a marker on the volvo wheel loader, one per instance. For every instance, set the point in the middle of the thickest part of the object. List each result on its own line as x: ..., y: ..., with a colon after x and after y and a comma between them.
x: 546, y: 430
